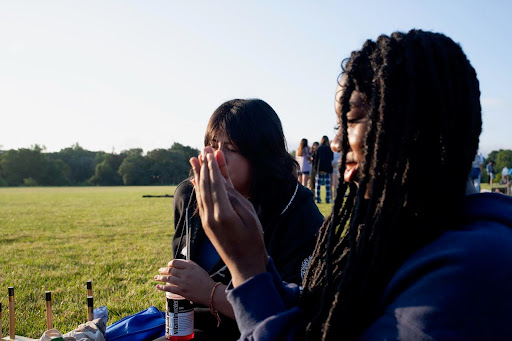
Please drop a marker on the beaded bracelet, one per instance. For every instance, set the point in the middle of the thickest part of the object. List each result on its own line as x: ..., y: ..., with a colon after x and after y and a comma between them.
x: 212, y: 309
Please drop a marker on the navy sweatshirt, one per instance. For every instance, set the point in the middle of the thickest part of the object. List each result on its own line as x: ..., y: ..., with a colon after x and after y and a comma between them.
x: 459, y: 287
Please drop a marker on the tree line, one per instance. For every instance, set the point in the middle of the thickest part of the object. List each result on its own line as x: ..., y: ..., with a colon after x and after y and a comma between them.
x: 76, y: 166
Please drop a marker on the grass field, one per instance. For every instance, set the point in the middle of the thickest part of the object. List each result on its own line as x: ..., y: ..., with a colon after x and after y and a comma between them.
x: 56, y: 239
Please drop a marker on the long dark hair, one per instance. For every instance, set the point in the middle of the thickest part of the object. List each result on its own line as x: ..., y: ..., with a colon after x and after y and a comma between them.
x: 254, y: 127
x: 424, y: 123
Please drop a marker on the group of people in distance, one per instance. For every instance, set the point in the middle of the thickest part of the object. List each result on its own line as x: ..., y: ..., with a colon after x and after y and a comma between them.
x: 407, y: 253
x: 318, y: 167
x: 475, y: 173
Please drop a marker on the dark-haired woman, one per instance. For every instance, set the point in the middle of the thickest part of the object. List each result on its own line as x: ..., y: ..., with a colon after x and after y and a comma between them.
x: 405, y: 256
x: 250, y: 135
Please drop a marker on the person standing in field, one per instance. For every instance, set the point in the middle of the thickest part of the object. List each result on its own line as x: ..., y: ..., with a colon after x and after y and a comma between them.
x: 476, y: 170
x: 504, y: 175
x: 304, y: 159
x: 323, y: 165
x: 490, y: 171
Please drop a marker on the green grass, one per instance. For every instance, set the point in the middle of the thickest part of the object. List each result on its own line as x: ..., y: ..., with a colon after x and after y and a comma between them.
x: 56, y: 239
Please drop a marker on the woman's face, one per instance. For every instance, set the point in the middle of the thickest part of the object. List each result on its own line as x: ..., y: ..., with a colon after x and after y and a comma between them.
x: 238, y: 166
x: 357, y: 122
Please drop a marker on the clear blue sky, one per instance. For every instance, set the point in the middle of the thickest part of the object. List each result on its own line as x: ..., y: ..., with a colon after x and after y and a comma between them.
x: 114, y: 75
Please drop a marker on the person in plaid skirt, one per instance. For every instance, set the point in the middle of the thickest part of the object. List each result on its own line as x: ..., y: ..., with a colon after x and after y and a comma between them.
x: 323, y: 165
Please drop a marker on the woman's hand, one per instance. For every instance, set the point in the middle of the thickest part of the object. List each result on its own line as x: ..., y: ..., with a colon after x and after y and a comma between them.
x: 228, y: 219
x: 187, y: 279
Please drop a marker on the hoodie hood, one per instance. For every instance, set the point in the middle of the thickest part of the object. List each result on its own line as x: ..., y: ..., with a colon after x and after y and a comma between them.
x: 488, y: 207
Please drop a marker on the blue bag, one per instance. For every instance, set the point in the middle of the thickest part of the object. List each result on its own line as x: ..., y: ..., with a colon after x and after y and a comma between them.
x: 145, y: 325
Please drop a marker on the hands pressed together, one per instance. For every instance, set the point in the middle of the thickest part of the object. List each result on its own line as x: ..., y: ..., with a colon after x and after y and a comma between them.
x: 230, y: 222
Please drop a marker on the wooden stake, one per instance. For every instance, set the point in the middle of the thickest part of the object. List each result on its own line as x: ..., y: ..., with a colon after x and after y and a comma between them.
x: 12, y: 331
x: 89, y: 288
x: 49, y: 313
x: 90, y: 308
x: 1, y: 320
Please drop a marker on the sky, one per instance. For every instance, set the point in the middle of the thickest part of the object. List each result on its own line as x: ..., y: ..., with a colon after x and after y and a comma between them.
x: 115, y: 75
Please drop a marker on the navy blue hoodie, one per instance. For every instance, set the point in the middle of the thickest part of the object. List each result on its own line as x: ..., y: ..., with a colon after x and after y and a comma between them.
x: 457, y: 288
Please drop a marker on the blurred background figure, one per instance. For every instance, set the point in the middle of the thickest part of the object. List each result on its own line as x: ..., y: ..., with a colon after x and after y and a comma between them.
x: 490, y: 171
x: 312, y: 178
x: 304, y: 159
x: 505, y: 172
x: 323, y: 165
x: 476, y: 170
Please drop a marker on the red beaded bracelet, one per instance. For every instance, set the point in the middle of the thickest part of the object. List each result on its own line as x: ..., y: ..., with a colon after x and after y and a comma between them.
x: 212, y: 309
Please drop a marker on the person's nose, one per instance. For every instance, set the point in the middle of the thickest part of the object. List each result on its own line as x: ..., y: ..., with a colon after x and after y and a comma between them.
x: 336, y: 142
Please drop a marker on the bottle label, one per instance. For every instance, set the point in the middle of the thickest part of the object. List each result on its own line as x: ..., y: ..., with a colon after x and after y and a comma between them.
x: 179, y: 318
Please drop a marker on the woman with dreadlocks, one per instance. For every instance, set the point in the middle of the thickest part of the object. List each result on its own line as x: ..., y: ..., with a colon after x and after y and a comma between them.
x: 405, y: 255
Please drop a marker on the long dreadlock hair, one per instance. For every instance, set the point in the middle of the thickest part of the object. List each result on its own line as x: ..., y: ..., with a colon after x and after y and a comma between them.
x: 423, y: 132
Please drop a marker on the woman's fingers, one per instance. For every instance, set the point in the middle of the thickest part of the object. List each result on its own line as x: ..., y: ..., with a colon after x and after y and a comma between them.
x: 196, y: 168
x: 178, y: 263
x: 168, y: 279
x: 218, y: 192
x: 203, y: 187
x: 251, y: 222
x: 223, y: 167
x: 229, y: 220
x: 170, y: 271
x: 186, y: 278
x: 170, y: 288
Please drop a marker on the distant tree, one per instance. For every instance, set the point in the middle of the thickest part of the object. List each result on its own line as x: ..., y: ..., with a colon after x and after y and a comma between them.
x: 77, y: 166
x: 135, y: 168
x: 503, y: 159
x: 32, y: 166
x: 56, y: 173
x: 114, y: 160
x: 81, y: 163
x: 133, y: 152
x: 29, y: 182
x: 160, y: 166
x: 22, y: 164
x: 180, y: 167
x: 105, y: 175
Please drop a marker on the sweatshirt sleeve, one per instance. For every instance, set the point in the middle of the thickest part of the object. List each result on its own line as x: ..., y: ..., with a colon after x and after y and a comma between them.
x: 267, y: 308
